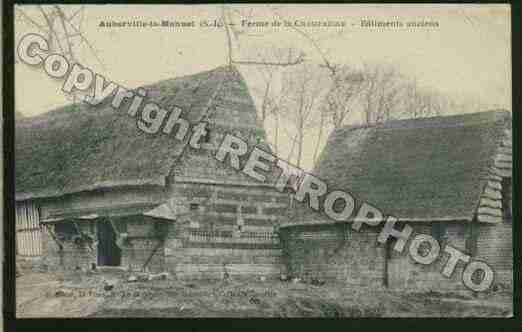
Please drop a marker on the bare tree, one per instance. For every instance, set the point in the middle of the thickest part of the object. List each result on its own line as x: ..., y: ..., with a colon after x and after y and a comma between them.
x: 269, y: 60
x: 382, y: 92
x: 269, y: 90
x: 63, y: 28
x: 346, y: 86
x: 304, y: 90
x: 422, y: 102
x: 343, y: 87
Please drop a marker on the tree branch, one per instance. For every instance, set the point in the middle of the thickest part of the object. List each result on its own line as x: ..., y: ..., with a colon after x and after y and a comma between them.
x: 33, y: 22
x: 298, y: 60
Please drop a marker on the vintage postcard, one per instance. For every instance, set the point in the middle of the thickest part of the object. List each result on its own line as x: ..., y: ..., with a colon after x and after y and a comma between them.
x: 322, y: 160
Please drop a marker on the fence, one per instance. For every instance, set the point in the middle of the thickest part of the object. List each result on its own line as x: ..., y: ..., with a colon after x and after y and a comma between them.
x: 228, y: 237
x: 28, y: 231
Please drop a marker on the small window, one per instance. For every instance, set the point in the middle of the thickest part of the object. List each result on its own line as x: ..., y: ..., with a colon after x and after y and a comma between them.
x: 194, y: 206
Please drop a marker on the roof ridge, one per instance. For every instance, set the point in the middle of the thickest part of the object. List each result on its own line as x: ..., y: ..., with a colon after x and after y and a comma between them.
x: 109, y: 137
x: 436, y: 172
x: 209, y: 72
x: 499, y: 114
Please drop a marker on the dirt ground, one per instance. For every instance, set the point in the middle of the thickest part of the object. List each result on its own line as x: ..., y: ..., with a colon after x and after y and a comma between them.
x: 109, y: 294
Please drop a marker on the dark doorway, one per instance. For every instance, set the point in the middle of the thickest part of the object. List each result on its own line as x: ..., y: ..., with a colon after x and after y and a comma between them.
x: 109, y: 254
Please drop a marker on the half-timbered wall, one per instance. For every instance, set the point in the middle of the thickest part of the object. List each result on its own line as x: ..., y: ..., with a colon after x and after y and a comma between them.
x: 334, y: 252
x: 224, y: 229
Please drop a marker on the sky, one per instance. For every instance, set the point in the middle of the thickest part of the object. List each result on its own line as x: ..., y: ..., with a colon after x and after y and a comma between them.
x: 467, y: 55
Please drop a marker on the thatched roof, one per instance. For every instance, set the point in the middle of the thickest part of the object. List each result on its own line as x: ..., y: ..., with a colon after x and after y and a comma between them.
x: 418, y: 170
x: 79, y: 147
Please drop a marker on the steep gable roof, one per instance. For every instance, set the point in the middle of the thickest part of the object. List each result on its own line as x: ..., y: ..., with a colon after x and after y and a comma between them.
x: 80, y: 147
x: 419, y: 169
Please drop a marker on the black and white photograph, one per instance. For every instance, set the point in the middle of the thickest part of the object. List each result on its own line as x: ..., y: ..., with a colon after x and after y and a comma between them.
x: 263, y: 161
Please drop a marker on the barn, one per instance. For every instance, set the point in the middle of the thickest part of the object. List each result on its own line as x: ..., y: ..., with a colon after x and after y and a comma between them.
x: 447, y: 176
x: 93, y: 190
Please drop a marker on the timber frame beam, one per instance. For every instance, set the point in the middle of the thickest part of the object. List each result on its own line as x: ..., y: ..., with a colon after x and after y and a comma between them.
x: 120, y: 237
x: 53, y: 236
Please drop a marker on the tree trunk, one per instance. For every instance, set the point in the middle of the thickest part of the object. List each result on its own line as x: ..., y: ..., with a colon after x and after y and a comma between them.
x: 229, y: 38
x: 300, y: 146
x: 319, y: 136
x: 276, y: 138
x: 292, y: 149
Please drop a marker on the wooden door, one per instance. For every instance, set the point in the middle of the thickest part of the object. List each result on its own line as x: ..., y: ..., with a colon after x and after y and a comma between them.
x: 109, y: 254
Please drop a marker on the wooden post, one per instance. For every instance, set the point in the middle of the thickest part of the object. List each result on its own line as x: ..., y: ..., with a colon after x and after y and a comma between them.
x: 38, y: 230
x: 120, y: 237
x: 471, y: 241
x: 27, y: 240
x: 30, y: 218
x: 21, y: 231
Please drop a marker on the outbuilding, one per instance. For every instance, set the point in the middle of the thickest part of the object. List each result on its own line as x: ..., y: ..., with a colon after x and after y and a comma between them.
x: 96, y: 191
x: 449, y: 177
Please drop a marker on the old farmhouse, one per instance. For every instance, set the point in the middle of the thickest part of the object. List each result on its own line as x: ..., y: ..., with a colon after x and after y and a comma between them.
x: 93, y: 190
x: 449, y: 177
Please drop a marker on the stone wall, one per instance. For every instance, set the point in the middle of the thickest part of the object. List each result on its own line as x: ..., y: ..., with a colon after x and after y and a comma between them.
x: 404, y: 273
x: 135, y: 251
x: 495, y: 247
x: 71, y: 256
x: 67, y: 208
x: 144, y: 245
x: 220, y: 224
x: 226, y: 229
x: 225, y: 207
x: 334, y: 252
x: 491, y: 243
